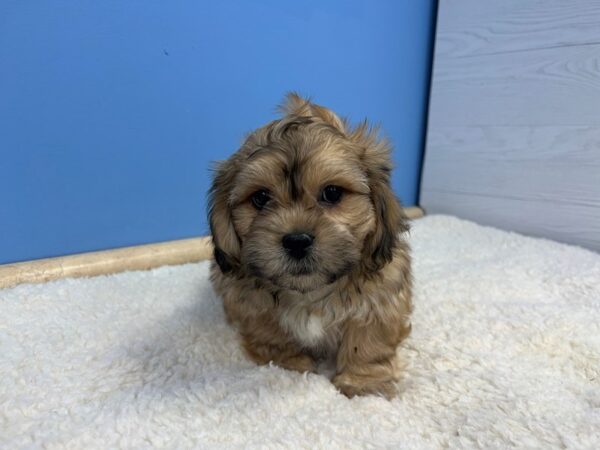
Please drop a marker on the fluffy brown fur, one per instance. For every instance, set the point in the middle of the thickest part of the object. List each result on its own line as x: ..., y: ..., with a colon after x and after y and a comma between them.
x: 350, y: 295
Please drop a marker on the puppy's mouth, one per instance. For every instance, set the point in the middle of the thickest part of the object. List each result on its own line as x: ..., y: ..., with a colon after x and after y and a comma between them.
x: 300, y: 279
x: 304, y: 279
x: 301, y: 269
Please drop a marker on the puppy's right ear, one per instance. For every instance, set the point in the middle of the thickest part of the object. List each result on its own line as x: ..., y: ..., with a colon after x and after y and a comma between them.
x: 225, y: 239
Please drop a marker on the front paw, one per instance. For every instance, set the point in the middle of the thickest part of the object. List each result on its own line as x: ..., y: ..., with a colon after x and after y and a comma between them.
x: 300, y: 363
x: 352, y: 385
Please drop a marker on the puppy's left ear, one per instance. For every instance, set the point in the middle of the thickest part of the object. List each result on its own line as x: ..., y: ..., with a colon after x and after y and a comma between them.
x: 225, y: 239
x: 296, y: 105
x: 390, y: 220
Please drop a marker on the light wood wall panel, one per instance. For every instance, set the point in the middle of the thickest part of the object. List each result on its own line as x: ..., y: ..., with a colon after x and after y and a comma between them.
x: 514, y: 120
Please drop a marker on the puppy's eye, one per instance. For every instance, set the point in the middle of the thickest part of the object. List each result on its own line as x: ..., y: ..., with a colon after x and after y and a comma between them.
x: 331, y: 194
x: 260, y: 198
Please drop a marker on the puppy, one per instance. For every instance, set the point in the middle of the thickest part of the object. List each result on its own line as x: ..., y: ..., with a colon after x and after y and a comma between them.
x: 309, y: 255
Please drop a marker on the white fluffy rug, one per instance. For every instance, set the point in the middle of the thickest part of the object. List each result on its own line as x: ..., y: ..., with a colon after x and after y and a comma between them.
x: 505, y: 351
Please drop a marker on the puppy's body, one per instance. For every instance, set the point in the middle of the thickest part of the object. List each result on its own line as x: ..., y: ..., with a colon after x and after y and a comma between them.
x: 360, y: 324
x: 309, y: 257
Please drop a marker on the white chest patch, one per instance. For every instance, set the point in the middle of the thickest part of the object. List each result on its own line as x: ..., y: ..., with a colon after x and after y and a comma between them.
x: 307, y: 328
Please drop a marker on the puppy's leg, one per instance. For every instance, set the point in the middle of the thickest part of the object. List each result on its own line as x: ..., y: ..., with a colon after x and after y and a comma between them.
x: 262, y: 337
x: 367, y: 361
x: 265, y: 341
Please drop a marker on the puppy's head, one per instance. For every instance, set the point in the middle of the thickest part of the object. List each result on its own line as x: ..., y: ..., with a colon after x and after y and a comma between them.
x: 305, y: 201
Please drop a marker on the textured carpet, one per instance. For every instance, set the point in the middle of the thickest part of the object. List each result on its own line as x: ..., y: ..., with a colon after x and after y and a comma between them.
x: 505, y: 351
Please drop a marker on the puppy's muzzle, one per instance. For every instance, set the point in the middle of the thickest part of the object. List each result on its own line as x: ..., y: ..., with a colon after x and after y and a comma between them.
x: 297, y: 245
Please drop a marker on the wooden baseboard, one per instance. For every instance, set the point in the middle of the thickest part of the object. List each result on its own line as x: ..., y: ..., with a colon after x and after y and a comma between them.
x: 140, y: 257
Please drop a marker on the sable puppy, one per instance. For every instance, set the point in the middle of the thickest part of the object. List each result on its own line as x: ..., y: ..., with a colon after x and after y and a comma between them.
x: 310, y: 258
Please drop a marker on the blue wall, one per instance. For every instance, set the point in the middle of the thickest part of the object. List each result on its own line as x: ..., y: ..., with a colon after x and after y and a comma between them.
x: 111, y: 111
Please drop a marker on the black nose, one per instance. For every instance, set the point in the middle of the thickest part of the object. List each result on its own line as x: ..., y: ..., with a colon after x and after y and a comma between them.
x: 297, y: 244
